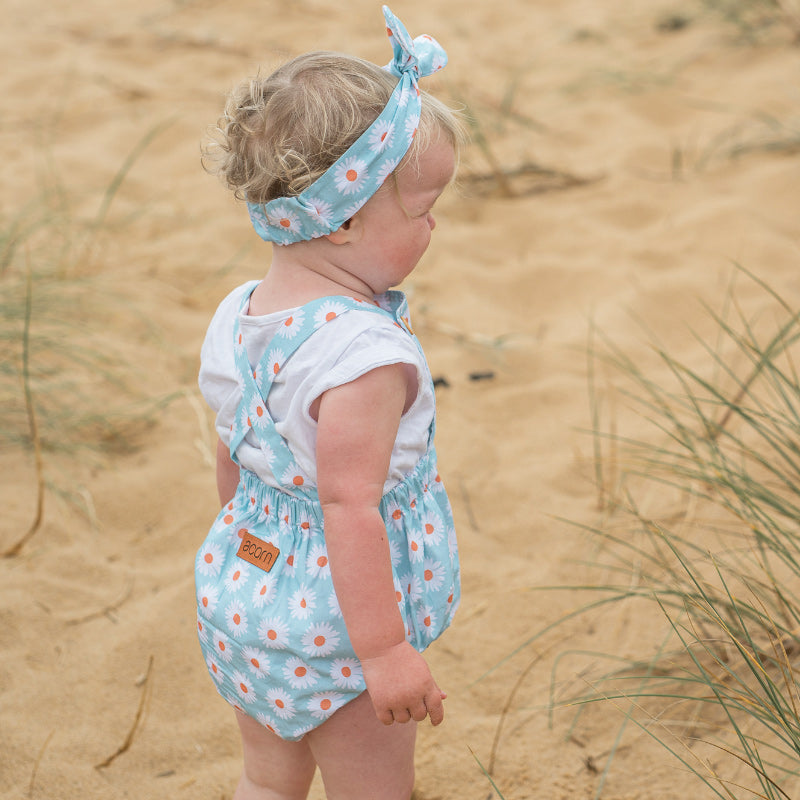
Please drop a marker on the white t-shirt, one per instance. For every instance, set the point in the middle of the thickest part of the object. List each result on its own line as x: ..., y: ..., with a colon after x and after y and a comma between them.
x: 342, y: 350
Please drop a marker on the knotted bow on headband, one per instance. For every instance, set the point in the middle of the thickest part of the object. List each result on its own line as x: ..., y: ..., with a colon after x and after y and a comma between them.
x: 348, y: 183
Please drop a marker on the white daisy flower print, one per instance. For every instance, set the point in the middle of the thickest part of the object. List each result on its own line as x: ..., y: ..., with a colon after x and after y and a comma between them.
x: 398, y: 591
x: 265, y: 510
x: 435, y: 481
x: 412, y: 123
x: 264, y: 591
x: 298, y: 674
x: 300, y: 732
x: 209, y: 560
x: 412, y: 586
x: 438, y: 62
x: 207, y: 599
x: 350, y: 175
x: 289, y: 566
x: 236, y: 577
x: 353, y: 209
x: 317, y: 565
x: 236, y: 618
x: 320, y: 640
x: 202, y: 633
x: 258, y: 374
x: 452, y: 542
x: 292, y: 324
x: 334, y: 609
x: 426, y: 620
x: 227, y: 517
x: 275, y: 360
x: 245, y: 421
x: 327, y: 311
x: 281, y: 703
x: 235, y: 536
x: 405, y: 95
x: 433, y: 575
x: 222, y: 647
x: 231, y: 700
x: 302, y: 603
x: 304, y: 522
x: 381, y: 136
x: 274, y: 633
x: 451, y: 605
x: 257, y: 661
x: 267, y: 721
x: 433, y: 528
x: 244, y: 687
x: 284, y: 218
x: 395, y: 514
x: 346, y: 673
x: 294, y: 476
x: 213, y: 669
x: 323, y: 704
x: 416, y: 546
x: 259, y: 418
x: 283, y: 517
x: 384, y: 170
x: 321, y: 213
x: 269, y: 457
x: 395, y: 553
x: 238, y: 344
x: 257, y: 213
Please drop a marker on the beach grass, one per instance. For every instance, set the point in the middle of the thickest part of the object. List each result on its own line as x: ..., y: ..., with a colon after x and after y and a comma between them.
x: 486, y: 119
x: 68, y: 390
x: 753, y: 18
x: 700, y: 524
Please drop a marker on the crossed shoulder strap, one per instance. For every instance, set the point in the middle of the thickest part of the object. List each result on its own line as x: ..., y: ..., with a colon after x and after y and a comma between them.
x: 257, y: 382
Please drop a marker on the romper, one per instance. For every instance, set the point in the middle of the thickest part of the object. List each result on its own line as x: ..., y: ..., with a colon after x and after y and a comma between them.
x: 269, y: 623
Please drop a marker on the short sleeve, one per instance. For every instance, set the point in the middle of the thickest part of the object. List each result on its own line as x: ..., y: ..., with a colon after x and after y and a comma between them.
x: 338, y: 353
x: 218, y: 378
x: 376, y: 346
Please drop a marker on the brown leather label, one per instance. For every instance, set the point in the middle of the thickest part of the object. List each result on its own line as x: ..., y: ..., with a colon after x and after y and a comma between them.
x: 258, y: 553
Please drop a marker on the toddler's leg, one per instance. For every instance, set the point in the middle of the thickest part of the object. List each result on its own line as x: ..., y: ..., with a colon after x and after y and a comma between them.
x: 274, y: 769
x: 360, y: 758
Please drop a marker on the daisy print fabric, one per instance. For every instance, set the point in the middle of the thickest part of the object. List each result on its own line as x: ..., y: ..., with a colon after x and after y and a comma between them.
x: 344, y: 188
x: 274, y: 642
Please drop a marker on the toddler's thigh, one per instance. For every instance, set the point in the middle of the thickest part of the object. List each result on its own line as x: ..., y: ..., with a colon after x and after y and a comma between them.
x: 360, y: 758
x: 273, y: 766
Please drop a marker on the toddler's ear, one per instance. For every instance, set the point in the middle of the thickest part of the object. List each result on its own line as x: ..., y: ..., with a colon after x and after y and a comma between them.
x: 349, y: 232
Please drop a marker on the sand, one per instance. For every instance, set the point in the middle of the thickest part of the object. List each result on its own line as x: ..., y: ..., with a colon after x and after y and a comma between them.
x: 660, y: 131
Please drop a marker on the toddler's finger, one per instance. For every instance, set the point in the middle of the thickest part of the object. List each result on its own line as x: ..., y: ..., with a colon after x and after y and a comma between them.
x: 419, y: 712
x: 435, y: 708
x: 384, y: 714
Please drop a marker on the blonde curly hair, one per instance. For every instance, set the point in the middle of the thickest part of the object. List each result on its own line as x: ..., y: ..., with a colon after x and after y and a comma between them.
x: 278, y: 134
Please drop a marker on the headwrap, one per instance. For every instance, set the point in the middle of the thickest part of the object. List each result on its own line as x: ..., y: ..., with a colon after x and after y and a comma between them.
x: 350, y: 181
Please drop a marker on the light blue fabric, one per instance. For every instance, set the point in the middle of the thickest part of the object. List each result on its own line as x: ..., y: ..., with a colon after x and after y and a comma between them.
x: 275, y: 643
x: 341, y: 191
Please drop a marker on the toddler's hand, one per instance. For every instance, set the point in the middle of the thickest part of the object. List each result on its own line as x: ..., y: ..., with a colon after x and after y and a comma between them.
x: 401, y: 686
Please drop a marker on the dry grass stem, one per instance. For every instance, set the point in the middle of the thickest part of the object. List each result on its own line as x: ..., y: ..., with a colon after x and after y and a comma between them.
x: 105, y: 611
x: 125, y: 746
x: 33, y: 426
x: 39, y: 757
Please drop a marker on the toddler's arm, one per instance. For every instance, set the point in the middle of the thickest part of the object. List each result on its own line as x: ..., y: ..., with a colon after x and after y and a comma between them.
x: 227, y: 473
x: 357, y: 427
